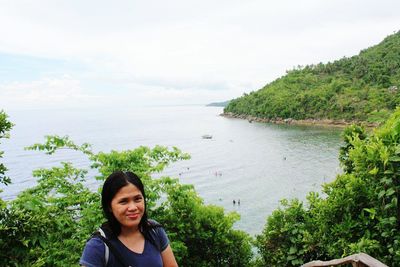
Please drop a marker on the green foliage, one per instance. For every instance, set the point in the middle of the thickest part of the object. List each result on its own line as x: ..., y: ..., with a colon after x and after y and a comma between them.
x: 283, y: 241
x: 142, y: 160
x: 348, y: 135
x: 55, y: 142
x: 5, y: 127
x: 359, y: 212
x: 361, y: 88
x: 205, y: 232
x: 48, y: 224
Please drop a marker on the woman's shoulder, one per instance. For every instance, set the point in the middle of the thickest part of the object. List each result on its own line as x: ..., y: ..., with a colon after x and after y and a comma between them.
x: 153, y: 223
x: 95, y: 244
x: 158, y: 235
x: 156, y: 227
x: 93, y: 252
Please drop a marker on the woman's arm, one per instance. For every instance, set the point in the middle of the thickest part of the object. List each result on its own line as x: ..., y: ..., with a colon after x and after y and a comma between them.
x: 168, y: 257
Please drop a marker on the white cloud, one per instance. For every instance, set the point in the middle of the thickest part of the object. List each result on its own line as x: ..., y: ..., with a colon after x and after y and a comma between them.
x: 66, y: 92
x: 44, y: 93
x: 209, y: 49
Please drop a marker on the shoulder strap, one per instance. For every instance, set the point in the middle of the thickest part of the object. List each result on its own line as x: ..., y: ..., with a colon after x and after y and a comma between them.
x: 158, y: 239
x: 152, y: 234
x: 106, y: 249
x: 110, y: 247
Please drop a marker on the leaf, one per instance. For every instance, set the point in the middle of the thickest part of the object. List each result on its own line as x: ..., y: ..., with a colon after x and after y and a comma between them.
x: 394, y: 201
x: 394, y: 159
x: 372, y: 212
x: 388, y: 206
x: 42, y: 242
x: 291, y: 257
x: 296, y: 262
x: 386, y: 181
x: 397, y: 150
x: 374, y: 171
x: 390, y: 192
x: 292, y: 250
x: 25, y: 242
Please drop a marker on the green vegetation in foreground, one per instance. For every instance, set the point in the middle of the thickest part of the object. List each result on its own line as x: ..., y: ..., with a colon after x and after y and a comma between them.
x: 360, y: 88
x: 359, y: 211
x: 5, y: 127
x: 48, y: 225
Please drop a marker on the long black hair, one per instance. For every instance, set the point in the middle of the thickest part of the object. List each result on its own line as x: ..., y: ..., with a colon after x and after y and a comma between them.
x: 112, y: 185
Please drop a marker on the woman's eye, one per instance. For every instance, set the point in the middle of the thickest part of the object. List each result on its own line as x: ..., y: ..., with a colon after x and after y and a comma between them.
x: 138, y: 199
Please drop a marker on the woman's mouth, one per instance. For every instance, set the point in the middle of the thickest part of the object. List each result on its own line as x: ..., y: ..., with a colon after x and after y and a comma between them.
x: 133, y: 216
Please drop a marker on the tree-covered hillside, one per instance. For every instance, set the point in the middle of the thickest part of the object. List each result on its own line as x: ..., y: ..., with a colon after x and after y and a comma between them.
x: 364, y: 87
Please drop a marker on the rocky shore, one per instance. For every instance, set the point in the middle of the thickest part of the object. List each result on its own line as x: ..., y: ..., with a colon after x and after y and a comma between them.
x: 316, y: 122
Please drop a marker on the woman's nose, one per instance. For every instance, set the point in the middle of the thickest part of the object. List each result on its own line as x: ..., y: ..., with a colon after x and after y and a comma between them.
x: 132, y: 206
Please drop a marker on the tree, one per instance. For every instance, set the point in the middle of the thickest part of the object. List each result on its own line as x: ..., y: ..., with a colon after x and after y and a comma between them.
x: 48, y: 224
x: 350, y: 89
x: 5, y: 127
x: 359, y: 211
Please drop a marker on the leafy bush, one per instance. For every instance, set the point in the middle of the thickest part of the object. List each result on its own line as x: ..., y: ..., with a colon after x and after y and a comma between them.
x: 5, y: 127
x: 48, y: 224
x: 359, y: 212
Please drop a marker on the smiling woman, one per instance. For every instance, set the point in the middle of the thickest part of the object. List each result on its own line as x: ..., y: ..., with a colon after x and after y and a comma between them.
x: 127, y: 206
x: 132, y: 238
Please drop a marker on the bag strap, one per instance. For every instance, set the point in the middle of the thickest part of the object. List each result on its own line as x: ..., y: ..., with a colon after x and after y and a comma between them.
x: 152, y: 235
x: 106, y: 249
x: 110, y: 247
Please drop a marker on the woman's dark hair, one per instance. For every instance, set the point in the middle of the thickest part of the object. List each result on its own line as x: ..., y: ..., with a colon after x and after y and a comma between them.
x: 111, y: 186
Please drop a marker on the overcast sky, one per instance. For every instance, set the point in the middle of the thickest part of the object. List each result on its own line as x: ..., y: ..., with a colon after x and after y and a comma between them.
x: 84, y: 53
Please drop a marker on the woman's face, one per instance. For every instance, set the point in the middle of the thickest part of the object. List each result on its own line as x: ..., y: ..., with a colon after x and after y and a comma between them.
x: 128, y: 206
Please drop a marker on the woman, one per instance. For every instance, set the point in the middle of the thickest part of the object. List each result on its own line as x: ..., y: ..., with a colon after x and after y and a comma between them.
x: 133, y: 239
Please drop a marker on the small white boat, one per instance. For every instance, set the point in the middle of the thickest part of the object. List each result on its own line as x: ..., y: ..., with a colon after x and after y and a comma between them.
x: 206, y: 136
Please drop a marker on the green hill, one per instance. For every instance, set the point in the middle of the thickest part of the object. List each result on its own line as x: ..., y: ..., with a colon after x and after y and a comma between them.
x: 218, y: 104
x: 364, y: 87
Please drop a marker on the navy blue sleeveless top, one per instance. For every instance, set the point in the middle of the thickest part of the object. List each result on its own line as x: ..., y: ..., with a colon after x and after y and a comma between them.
x: 94, y: 252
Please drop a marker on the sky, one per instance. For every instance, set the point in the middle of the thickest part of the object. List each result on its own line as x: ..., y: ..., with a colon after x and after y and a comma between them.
x: 74, y: 53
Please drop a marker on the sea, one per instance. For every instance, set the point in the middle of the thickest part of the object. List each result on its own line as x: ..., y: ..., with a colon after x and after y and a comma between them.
x: 243, y: 167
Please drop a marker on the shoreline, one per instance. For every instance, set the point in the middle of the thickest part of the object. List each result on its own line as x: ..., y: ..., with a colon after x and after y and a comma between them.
x: 306, y: 122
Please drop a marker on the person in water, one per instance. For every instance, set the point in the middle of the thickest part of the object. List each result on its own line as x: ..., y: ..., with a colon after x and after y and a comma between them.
x: 130, y: 235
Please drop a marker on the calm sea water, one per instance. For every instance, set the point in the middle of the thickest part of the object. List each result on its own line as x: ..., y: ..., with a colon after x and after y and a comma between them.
x: 257, y: 163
